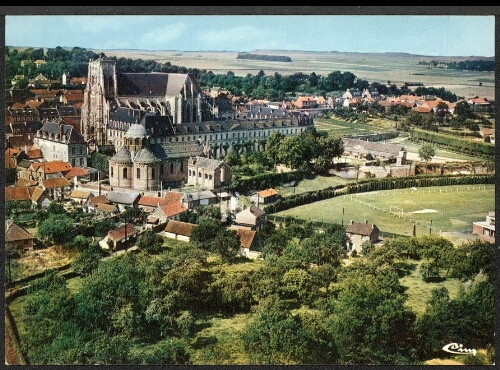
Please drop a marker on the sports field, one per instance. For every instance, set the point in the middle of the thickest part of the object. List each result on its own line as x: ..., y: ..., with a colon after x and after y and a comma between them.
x: 431, y: 210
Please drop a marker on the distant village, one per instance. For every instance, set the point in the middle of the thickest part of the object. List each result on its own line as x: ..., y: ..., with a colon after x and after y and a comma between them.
x: 157, y: 145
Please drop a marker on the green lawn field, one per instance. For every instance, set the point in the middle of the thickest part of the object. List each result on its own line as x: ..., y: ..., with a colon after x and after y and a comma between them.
x: 432, y: 210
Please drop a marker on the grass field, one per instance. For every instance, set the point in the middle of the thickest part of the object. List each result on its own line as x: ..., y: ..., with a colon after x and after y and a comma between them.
x: 340, y: 127
x: 444, y: 208
x: 419, y: 292
x: 317, y: 183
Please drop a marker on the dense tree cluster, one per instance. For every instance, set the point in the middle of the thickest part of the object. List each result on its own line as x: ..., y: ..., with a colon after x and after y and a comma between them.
x: 306, y: 306
x: 464, y: 65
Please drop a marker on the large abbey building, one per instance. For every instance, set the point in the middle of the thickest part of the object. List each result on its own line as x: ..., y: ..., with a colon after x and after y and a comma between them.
x: 156, y: 122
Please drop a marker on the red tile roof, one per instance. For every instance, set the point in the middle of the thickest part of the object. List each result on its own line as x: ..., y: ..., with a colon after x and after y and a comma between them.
x: 173, y: 197
x: 76, y: 171
x: 179, y: 228
x: 14, y: 232
x: 35, y: 154
x: 246, y: 237
x: 267, y: 193
x: 100, y: 199
x: 60, y: 182
x: 148, y: 201
x: 173, y: 209
x: 17, y: 193
x: 121, y: 232
x: 53, y: 166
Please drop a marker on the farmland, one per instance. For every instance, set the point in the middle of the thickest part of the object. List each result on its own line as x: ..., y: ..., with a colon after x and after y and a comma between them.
x: 397, y: 68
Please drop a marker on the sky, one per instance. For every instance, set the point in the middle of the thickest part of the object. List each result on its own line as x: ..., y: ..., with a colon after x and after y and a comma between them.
x: 433, y: 35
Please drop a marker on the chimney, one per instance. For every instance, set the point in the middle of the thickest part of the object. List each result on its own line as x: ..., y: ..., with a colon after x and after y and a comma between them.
x: 352, y: 222
x: 366, y: 221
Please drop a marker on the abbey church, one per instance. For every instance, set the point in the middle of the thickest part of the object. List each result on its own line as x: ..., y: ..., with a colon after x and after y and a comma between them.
x: 157, y: 121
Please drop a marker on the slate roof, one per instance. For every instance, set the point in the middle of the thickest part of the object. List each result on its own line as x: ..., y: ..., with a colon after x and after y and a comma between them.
x: 177, y: 150
x: 179, y: 228
x: 253, y: 210
x: 207, y: 163
x: 204, y: 194
x: 145, y: 155
x: 122, y: 156
x: 67, y: 111
x: 122, y: 197
x: 127, y: 115
x: 14, y: 232
x: 52, y: 128
x: 136, y: 131
x: 361, y: 228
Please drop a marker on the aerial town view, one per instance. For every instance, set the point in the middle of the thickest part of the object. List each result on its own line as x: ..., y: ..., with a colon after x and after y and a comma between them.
x: 218, y: 190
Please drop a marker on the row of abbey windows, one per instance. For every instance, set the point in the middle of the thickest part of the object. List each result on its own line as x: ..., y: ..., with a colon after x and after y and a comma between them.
x: 153, y: 172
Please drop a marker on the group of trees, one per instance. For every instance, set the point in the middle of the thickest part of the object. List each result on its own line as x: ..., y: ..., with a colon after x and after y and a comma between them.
x: 310, y: 152
x: 144, y: 308
x: 464, y: 65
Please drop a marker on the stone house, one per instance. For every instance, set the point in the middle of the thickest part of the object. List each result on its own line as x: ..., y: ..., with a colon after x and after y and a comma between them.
x: 121, y: 238
x: 208, y: 173
x: 264, y: 197
x: 359, y: 232
x: 61, y: 142
x: 17, y: 238
x: 251, y: 218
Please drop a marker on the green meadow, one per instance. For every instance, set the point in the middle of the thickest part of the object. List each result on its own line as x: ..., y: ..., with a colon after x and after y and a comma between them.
x: 395, y: 212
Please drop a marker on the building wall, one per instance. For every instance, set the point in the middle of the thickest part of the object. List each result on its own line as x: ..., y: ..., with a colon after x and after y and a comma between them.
x: 53, y: 150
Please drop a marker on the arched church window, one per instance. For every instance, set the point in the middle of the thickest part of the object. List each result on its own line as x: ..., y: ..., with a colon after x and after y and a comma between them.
x: 124, y: 173
x: 152, y: 173
x: 138, y: 173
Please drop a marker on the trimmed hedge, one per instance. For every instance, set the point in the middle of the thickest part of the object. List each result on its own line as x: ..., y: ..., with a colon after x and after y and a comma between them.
x: 475, y: 148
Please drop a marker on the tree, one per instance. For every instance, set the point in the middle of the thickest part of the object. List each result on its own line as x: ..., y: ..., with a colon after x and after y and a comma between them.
x: 371, y: 309
x: 426, y: 152
x: 274, y: 336
x: 225, y: 243
x: 57, y: 229
x: 150, y: 242
x: 88, y: 260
